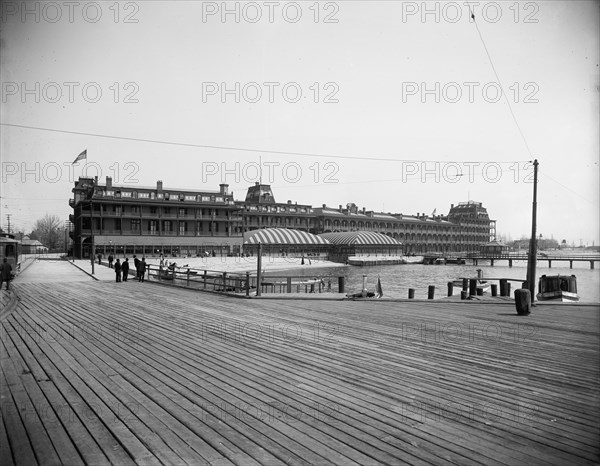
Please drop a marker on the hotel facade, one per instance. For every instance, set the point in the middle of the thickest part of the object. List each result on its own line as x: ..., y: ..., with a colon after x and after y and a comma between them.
x: 127, y: 220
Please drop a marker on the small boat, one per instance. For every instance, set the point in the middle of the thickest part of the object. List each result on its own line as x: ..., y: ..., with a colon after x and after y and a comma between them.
x: 481, y: 283
x: 378, y: 293
x: 557, y: 288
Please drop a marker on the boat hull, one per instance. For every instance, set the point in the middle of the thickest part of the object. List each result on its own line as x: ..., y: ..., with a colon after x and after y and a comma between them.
x: 560, y: 296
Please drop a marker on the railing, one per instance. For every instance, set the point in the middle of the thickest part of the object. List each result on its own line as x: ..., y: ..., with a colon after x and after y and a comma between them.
x: 244, y: 283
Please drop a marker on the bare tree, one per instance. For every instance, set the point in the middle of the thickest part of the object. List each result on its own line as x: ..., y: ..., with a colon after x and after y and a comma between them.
x: 48, y: 230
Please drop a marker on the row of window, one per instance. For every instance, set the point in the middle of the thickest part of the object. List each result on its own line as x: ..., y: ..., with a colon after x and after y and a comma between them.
x: 160, y: 196
x: 279, y: 209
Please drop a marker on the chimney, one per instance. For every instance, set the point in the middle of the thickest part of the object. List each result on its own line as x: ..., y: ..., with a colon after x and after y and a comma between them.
x: 224, y: 188
x: 159, y: 186
x: 340, y: 208
x: 364, y: 209
x: 289, y: 202
x: 324, y: 206
x: 108, y: 182
x: 452, y: 206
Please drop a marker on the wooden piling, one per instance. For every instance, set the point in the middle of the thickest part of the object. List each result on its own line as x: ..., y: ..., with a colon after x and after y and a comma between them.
x: 430, y: 292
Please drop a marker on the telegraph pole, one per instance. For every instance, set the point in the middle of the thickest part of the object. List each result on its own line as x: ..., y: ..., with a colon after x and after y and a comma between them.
x: 532, y: 242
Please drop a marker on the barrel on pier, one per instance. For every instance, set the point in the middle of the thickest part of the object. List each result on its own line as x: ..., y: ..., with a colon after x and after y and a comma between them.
x: 523, y: 301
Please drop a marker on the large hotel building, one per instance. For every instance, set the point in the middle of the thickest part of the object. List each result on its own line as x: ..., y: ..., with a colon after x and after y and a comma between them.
x: 158, y: 220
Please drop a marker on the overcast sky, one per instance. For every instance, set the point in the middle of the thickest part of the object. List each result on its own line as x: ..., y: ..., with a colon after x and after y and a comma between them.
x: 388, y: 105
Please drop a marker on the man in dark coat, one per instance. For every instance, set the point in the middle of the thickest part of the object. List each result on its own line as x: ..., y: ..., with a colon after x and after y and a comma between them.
x: 110, y: 261
x: 125, y: 269
x: 5, y: 273
x: 118, y: 270
x: 142, y: 269
x: 136, y: 263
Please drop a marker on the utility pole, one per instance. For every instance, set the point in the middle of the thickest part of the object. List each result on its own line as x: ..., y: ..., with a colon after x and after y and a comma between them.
x: 531, y: 264
x: 8, y: 218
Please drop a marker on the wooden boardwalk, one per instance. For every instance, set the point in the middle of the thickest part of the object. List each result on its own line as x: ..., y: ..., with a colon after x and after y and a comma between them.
x: 98, y: 372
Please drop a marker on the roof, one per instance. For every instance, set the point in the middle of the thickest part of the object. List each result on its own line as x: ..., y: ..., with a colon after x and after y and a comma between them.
x: 282, y: 236
x: 31, y: 242
x: 359, y: 237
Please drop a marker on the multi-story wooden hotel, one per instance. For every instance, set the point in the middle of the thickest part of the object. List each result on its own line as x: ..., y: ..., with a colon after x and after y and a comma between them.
x: 156, y: 220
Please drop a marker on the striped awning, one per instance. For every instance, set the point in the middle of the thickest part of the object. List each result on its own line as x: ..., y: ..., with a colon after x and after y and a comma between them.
x: 282, y: 236
x: 360, y: 238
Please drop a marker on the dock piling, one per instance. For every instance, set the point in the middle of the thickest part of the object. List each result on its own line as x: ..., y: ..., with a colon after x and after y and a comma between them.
x: 431, y: 292
x: 411, y: 293
x: 494, y: 288
x: 473, y: 287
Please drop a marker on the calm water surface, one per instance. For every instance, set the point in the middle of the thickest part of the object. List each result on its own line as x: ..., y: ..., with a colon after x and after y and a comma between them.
x: 397, y: 279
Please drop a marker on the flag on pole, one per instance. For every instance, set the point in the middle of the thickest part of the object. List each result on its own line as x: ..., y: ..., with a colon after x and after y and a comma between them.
x: 379, y: 289
x: 81, y: 156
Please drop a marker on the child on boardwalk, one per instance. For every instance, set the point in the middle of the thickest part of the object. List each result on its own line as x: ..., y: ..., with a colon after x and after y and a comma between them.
x: 118, y: 270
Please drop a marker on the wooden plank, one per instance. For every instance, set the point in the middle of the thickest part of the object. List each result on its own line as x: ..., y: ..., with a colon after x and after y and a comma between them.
x: 390, y: 389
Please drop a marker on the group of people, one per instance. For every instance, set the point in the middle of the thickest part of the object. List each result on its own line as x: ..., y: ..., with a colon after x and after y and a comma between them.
x: 122, y: 268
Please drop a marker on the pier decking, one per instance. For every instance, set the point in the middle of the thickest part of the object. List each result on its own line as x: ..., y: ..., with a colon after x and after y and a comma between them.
x: 97, y: 372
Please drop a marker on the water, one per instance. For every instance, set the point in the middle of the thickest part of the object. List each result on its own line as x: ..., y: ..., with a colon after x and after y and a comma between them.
x: 397, y: 279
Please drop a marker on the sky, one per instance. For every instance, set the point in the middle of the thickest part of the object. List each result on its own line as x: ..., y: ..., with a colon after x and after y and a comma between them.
x: 402, y: 107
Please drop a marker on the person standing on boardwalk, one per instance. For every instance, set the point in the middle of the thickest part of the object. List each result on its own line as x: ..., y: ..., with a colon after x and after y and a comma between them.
x: 5, y: 273
x: 142, y: 269
x: 99, y: 259
x: 136, y: 263
x: 118, y: 270
x: 125, y: 269
x: 110, y: 261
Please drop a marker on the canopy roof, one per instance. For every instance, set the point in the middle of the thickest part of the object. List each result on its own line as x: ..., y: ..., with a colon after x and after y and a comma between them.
x: 282, y: 236
x: 360, y: 237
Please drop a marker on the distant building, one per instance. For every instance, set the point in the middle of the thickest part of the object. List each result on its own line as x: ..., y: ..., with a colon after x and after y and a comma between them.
x: 156, y: 220
x: 127, y: 220
x: 474, y: 223
x: 32, y: 246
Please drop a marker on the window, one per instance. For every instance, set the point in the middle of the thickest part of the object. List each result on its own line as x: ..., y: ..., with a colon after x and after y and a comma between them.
x: 152, y: 210
x: 136, y: 224
x: 152, y: 227
x: 182, y: 228
x: 190, y: 198
x: 126, y: 194
x: 135, y: 209
x: 205, y: 198
x: 166, y: 210
x: 182, y: 211
x: 219, y: 199
x: 167, y: 226
x: 145, y: 195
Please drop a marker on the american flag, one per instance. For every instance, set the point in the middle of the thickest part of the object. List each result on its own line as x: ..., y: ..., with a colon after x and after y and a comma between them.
x: 81, y: 156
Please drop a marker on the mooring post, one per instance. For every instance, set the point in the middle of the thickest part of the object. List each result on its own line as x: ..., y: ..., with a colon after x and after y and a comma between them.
x: 450, y: 288
x: 473, y: 287
x: 341, y: 285
x: 430, y: 291
x: 411, y: 293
